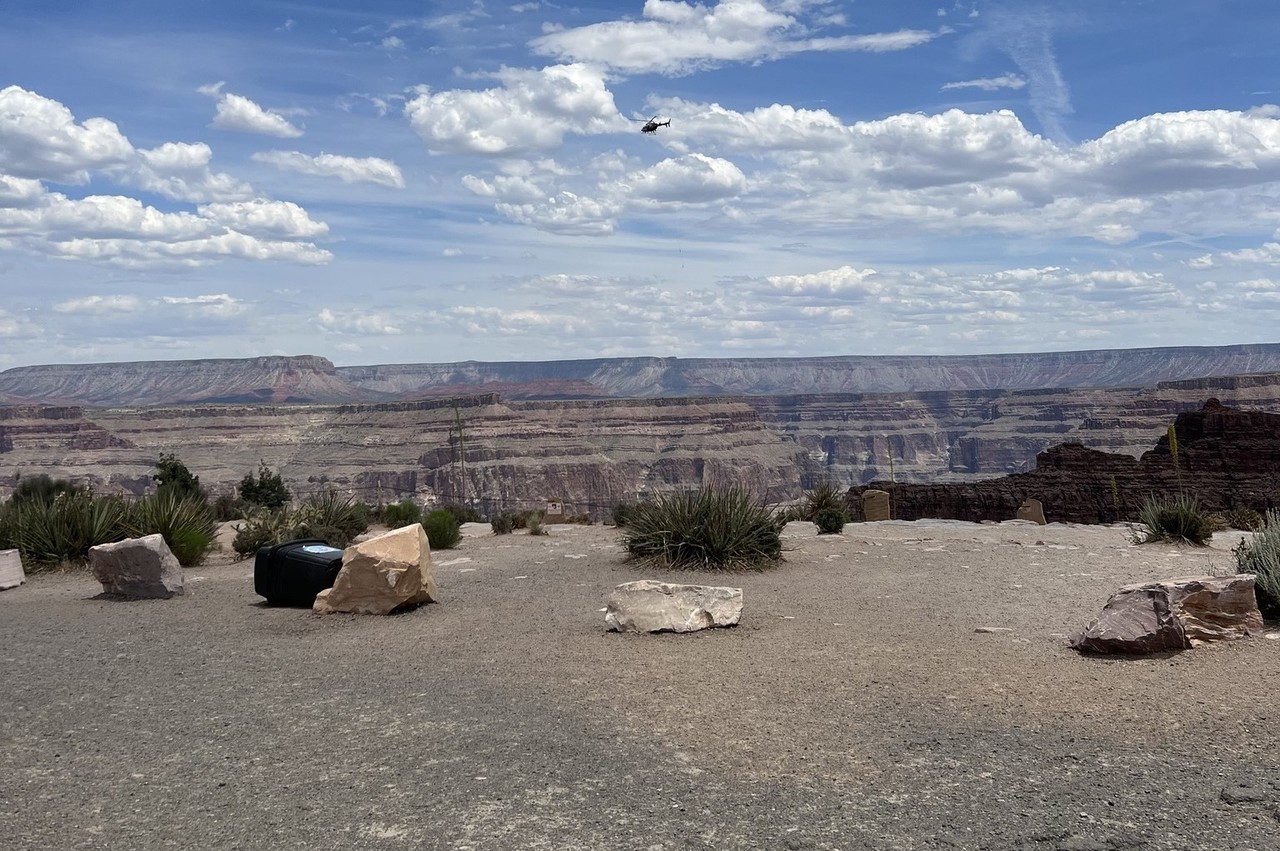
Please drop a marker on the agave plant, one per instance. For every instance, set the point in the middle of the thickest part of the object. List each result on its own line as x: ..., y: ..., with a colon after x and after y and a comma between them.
x: 713, y: 528
x: 186, y: 521
x: 64, y: 528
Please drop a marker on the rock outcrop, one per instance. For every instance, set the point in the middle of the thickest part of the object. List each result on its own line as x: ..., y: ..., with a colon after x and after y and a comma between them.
x: 1227, y: 458
x: 1176, y: 614
x: 382, y: 574
x: 651, y: 606
x: 137, y: 567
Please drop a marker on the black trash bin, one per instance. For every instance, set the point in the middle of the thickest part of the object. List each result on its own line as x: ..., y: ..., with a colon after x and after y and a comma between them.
x: 293, y: 573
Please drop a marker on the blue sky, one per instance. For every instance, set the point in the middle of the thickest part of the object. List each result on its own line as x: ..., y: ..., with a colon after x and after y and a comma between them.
x: 397, y: 182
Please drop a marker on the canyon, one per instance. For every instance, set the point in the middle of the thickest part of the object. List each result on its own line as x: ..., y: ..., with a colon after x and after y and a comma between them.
x: 616, y: 429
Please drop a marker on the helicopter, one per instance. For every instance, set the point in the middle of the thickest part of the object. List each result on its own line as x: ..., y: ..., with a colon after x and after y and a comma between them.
x: 652, y: 125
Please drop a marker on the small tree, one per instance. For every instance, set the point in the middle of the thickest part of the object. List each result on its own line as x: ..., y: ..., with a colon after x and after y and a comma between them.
x: 266, y: 489
x: 172, y: 476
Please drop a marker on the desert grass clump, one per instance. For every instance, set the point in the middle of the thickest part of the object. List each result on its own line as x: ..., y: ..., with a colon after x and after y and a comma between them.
x: 442, y: 529
x: 330, y: 516
x: 1261, y: 557
x: 502, y: 523
x: 1176, y: 519
x: 534, y: 524
x: 826, y: 497
x: 712, y: 528
x: 1244, y: 518
x: 185, y: 519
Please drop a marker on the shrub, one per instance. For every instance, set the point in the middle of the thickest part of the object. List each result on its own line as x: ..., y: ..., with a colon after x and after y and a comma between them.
x: 339, y: 517
x: 825, y: 497
x: 533, y: 522
x: 442, y: 529
x: 830, y: 521
x: 503, y: 524
x: 260, y: 529
x: 41, y: 488
x: 579, y: 519
x: 62, y: 530
x: 228, y: 507
x: 172, y: 475
x: 402, y: 513
x: 621, y: 512
x: 1261, y: 557
x: 1244, y: 518
x: 462, y: 513
x: 186, y: 521
x: 1177, y: 519
x: 266, y: 490
x: 714, y: 528
x: 523, y: 518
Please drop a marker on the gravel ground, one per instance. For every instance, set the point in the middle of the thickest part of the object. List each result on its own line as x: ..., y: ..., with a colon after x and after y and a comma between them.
x: 855, y: 707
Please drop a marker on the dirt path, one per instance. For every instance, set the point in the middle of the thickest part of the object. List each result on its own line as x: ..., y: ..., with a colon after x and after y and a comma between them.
x: 855, y: 707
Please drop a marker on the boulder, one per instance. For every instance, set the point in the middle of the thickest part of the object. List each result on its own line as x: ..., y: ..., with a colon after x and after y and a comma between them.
x: 382, y: 574
x: 137, y: 567
x: 875, y: 505
x: 11, y: 575
x: 1176, y: 614
x: 651, y: 606
x: 1033, y: 510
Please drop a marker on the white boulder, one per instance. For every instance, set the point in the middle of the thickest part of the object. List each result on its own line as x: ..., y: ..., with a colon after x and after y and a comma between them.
x: 11, y: 574
x: 137, y: 567
x: 651, y: 606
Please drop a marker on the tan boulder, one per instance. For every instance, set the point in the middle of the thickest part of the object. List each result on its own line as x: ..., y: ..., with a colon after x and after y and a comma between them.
x: 875, y: 505
x: 1033, y: 510
x: 1176, y: 614
x: 651, y: 606
x: 382, y: 574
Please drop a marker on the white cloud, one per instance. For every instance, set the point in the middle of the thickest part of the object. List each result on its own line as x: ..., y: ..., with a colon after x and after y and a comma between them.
x: 39, y: 138
x: 261, y: 217
x: 679, y: 38
x: 96, y: 305
x: 693, y: 178
x: 359, y: 322
x: 347, y: 169
x: 988, y: 84
x: 238, y: 113
x: 219, y: 306
x: 532, y: 110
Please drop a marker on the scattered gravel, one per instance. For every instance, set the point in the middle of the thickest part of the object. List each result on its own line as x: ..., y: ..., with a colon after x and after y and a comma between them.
x: 900, y: 686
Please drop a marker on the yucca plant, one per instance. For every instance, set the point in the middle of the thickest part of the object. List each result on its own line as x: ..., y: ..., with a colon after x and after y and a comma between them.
x: 331, y: 516
x: 186, y: 521
x: 824, y: 497
x: 713, y: 528
x: 1177, y: 519
x: 1261, y: 557
x: 64, y: 528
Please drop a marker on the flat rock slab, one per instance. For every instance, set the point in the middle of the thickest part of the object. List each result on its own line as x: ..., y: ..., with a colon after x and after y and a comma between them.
x: 1176, y: 614
x: 651, y: 606
x: 11, y: 573
x: 138, y: 568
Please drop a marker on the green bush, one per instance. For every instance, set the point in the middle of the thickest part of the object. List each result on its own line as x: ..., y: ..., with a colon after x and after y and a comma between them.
x: 714, y: 528
x: 462, y: 513
x: 621, y: 512
x: 228, y: 507
x: 329, y: 515
x: 1261, y: 557
x: 1176, y: 519
x: 261, y: 529
x: 42, y: 488
x: 533, y: 522
x: 173, y: 476
x: 830, y: 521
x: 403, y: 513
x: 503, y: 524
x: 1244, y: 518
x: 523, y: 518
x: 63, y: 530
x: 442, y: 529
x: 187, y: 523
x: 266, y: 490
x: 825, y: 497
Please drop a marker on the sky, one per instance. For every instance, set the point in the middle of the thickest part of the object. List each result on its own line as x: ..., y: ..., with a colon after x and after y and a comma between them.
x: 396, y: 182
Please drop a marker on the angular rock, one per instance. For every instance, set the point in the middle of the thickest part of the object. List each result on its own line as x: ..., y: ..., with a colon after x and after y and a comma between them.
x: 11, y: 574
x: 875, y: 505
x: 1033, y: 510
x: 382, y: 574
x: 651, y: 606
x: 137, y: 567
x: 1176, y: 614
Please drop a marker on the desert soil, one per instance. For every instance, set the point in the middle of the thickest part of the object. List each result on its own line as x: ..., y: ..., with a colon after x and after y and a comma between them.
x: 855, y: 707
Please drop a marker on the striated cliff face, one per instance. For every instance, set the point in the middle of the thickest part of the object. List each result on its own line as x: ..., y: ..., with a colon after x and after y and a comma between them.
x: 590, y: 454
x: 312, y: 379
x: 1227, y: 458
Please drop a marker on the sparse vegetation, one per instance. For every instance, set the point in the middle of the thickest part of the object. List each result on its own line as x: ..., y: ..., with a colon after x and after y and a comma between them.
x: 1176, y: 519
x: 713, y: 528
x: 1244, y: 518
x: 502, y: 524
x: 442, y: 529
x: 403, y: 513
x: 533, y: 522
x: 1261, y: 557
x: 265, y: 490
x: 328, y: 516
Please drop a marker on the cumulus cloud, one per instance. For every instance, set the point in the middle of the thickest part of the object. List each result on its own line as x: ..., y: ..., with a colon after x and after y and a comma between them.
x: 694, y: 178
x: 40, y: 138
x: 679, y: 38
x: 261, y: 217
x: 238, y: 113
x: 96, y: 305
x: 359, y: 322
x: 532, y: 110
x: 347, y: 169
